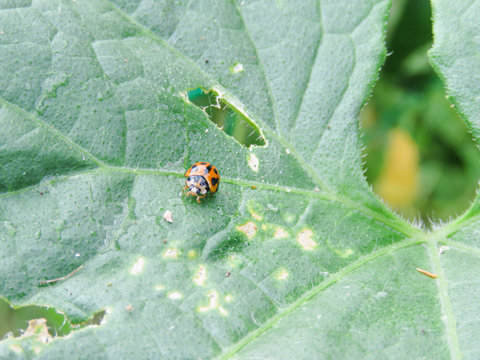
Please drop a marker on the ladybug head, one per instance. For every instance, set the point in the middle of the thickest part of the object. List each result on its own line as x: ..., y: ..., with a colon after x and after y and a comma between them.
x: 197, y: 185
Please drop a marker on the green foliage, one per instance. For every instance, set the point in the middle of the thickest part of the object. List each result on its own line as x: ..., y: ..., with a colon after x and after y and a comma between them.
x: 410, y: 97
x: 294, y: 257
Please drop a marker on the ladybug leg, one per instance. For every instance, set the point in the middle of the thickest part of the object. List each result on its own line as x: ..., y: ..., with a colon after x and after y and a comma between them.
x: 185, y: 188
x: 200, y: 197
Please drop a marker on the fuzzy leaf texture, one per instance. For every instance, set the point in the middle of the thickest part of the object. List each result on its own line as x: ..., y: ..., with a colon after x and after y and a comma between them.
x: 294, y: 257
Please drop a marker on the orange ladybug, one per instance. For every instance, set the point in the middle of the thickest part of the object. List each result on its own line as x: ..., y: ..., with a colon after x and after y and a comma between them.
x: 202, y: 178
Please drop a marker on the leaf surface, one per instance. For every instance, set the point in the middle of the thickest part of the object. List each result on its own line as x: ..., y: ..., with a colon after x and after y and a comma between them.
x: 294, y: 256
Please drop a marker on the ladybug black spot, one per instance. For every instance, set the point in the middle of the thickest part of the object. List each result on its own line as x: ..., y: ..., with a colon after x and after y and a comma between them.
x: 208, y: 168
x: 203, y: 163
x: 214, y: 181
x: 215, y: 171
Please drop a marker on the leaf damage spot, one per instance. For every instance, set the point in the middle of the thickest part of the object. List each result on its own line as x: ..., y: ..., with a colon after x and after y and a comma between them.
x: 380, y: 294
x: 175, y: 295
x: 192, y: 254
x: 249, y: 229
x: 443, y: 249
x: 37, y: 328
x: 138, y: 266
x: 281, y: 274
x: 200, y: 276
x: 44, y: 324
x: 228, y: 117
x: 229, y: 298
x: 213, y: 304
x: 344, y: 253
x: 251, y: 205
x: 171, y: 253
x: 253, y: 162
x: 289, y: 218
x: 16, y: 348
x: 280, y: 233
x: 233, y: 261
x: 304, y: 238
x: 236, y: 68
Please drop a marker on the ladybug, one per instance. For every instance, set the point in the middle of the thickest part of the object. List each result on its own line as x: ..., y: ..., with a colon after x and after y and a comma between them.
x: 202, y: 177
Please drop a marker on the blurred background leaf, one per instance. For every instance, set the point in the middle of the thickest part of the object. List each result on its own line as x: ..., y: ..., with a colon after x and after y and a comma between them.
x: 419, y: 156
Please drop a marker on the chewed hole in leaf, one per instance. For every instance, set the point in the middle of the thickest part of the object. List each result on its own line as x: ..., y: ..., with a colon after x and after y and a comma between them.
x: 226, y: 117
x: 32, y: 321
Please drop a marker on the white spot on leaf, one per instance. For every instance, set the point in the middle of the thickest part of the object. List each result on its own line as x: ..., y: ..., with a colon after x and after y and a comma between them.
x: 171, y: 253
x: 200, y: 276
x: 213, y: 304
x: 380, y: 294
x: 249, y: 229
x: 229, y: 298
x: 280, y: 233
x: 38, y: 329
x: 168, y: 216
x: 175, y: 295
x: 253, y: 162
x: 304, y: 238
x: 16, y: 348
x: 344, y: 252
x: 443, y: 249
x: 236, y: 68
x: 137, y: 268
x: 281, y: 274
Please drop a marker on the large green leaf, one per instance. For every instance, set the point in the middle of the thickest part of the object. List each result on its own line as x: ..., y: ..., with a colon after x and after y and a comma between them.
x: 294, y: 257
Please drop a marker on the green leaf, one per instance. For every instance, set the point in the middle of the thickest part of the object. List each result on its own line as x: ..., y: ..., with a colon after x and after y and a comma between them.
x: 456, y: 56
x: 293, y: 257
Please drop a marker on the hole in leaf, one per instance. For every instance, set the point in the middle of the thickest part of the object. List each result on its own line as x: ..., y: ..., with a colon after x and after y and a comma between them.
x: 20, y: 322
x: 420, y: 157
x: 226, y: 117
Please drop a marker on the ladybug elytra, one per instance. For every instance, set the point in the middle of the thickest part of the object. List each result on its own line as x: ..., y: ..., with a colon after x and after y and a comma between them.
x: 202, y: 178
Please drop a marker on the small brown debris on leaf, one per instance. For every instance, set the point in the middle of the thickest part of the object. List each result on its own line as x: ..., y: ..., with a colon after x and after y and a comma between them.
x: 129, y: 307
x: 253, y: 187
x: 429, y: 274
x: 168, y: 216
x: 44, y: 282
x: 164, y: 241
x: 228, y: 273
